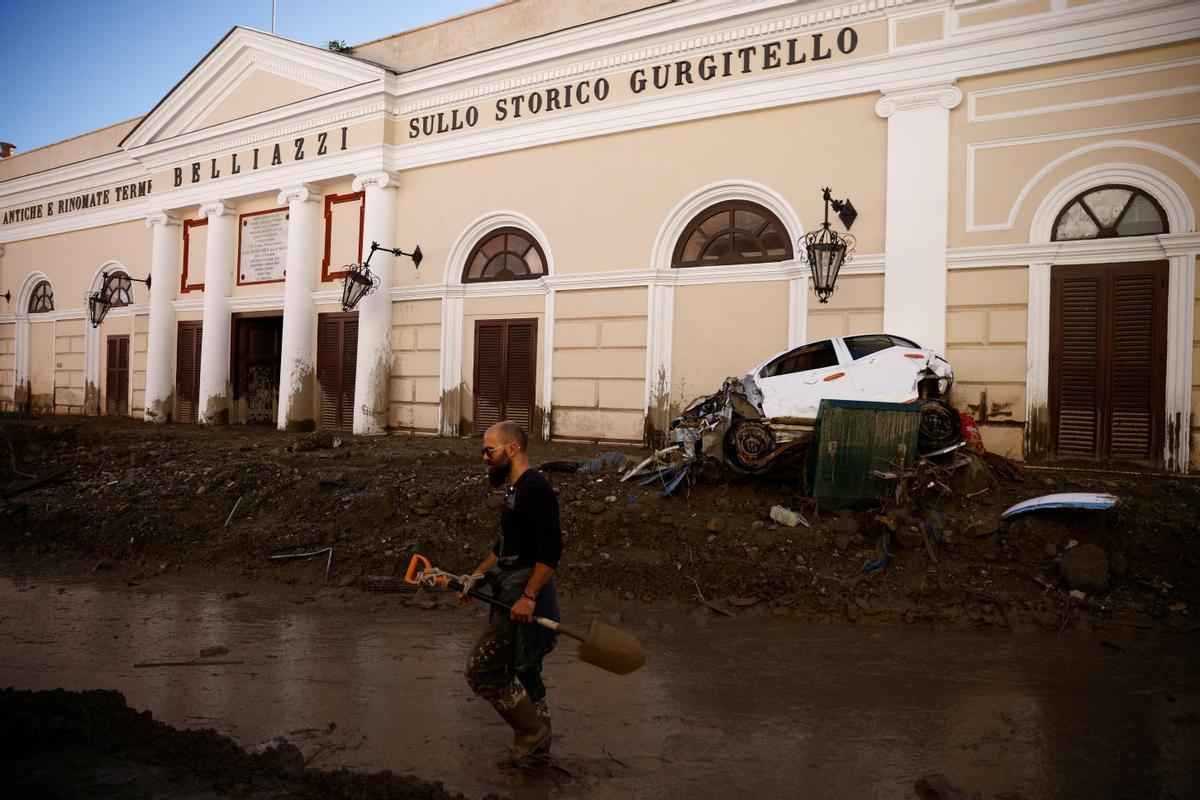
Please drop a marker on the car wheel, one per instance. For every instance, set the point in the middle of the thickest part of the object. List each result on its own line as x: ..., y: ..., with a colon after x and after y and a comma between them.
x: 748, y: 444
x: 941, y: 426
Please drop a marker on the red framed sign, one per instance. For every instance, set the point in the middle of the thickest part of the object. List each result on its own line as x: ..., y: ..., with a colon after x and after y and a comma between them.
x: 262, y: 246
x: 184, y: 284
x: 332, y: 200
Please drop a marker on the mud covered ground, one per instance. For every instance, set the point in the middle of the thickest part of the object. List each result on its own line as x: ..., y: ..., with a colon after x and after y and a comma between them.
x: 162, y: 498
x: 60, y: 744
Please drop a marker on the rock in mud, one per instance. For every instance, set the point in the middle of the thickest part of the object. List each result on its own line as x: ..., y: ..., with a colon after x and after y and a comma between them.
x: 1085, y: 568
x: 715, y: 525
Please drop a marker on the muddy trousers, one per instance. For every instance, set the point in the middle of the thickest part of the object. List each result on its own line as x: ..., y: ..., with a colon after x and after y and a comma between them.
x: 492, y: 674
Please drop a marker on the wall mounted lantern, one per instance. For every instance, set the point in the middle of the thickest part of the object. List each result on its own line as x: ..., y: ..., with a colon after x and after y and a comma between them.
x: 100, y: 301
x: 360, y: 281
x: 825, y: 250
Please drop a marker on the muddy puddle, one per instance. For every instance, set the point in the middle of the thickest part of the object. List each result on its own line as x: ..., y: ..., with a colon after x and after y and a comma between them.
x: 750, y: 706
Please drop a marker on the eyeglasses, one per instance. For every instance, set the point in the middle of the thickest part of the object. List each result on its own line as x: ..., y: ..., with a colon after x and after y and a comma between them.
x: 487, y: 451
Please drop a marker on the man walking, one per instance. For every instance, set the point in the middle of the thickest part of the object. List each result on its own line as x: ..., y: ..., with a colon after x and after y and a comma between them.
x: 505, y: 668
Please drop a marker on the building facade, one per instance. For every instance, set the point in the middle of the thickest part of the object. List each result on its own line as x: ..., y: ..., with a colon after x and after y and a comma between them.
x: 609, y: 198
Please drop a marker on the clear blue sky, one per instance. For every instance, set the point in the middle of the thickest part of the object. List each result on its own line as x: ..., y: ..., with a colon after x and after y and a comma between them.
x: 72, y: 66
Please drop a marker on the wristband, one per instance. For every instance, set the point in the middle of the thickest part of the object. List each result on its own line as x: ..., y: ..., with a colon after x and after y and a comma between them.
x: 527, y: 597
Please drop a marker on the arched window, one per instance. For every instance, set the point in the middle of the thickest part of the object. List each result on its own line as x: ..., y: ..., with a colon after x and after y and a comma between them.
x: 733, y: 232
x: 1107, y: 212
x: 117, y: 287
x: 42, y: 298
x: 507, y: 254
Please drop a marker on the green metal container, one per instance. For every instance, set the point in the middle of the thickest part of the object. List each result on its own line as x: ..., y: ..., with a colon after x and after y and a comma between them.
x: 853, y: 439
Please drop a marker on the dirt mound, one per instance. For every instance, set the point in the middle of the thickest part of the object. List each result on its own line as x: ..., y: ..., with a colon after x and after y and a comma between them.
x: 935, y: 552
x: 62, y: 744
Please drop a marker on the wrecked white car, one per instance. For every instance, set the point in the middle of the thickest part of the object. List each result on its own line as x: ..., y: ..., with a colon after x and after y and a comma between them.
x: 753, y: 421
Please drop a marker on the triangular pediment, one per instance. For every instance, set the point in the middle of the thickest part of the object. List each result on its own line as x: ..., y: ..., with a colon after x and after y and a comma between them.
x: 247, y: 74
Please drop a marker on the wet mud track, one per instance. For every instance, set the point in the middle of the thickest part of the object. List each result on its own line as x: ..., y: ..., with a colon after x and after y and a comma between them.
x: 752, y: 706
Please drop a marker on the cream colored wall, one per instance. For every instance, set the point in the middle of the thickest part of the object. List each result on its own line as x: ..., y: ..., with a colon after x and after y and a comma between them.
x: 79, y: 148
x: 41, y: 367
x: 8, y: 365
x: 599, y: 387
x: 71, y: 260
x: 855, y: 307
x: 69, y: 348
x: 986, y: 335
x: 415, y: 386
x: 1001, y: 12
x: 620, y: 189
x: 917, y: 30
x: 138, y: 344
x: 1043, y: 133
x: 481, y: 308
x: 723, y: 330
x: 258, y: 90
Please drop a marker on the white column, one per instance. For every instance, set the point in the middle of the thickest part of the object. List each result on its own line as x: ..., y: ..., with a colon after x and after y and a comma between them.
x: 371, y: 371
x: 1181, y: 314
x: 660, y: 323
x: 297, y: 383
x: 164, y: 278
x: 918, y: 187
x: 797, y: 311
x: 1037, y: 362
x: 218, y: 277
x: 450, y: 409
x: 548, y: 363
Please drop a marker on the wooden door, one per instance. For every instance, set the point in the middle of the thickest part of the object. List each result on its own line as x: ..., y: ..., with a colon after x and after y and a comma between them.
x: 187, y: 371
x: 1108, y: 352
x: 505, y: 372
x: 337, y: 353
x: 116, y: 385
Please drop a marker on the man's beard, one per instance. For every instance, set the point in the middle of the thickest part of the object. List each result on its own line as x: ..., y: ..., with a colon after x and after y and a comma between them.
x: 498, y: 474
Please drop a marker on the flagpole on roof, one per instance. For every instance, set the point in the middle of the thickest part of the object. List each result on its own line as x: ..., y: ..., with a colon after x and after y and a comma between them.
x: 272, y: 17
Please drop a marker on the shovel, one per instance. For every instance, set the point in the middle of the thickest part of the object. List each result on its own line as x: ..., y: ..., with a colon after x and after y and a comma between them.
x: 603, y: 645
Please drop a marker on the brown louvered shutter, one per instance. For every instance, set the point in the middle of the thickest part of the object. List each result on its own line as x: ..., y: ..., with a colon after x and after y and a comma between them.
x: 1108, y: 360
x: 187, y: 371
x: 337, y: 352
x: 1077, y: 405
x: 111, y: 372
x: 123, y: 376
x: 1137, y: 383
x: 348, y: 361
x: 520, y: 354
x: 489, y: 374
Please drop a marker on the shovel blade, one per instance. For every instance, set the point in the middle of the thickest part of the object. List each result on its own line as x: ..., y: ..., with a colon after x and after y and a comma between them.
x: 612, y: 649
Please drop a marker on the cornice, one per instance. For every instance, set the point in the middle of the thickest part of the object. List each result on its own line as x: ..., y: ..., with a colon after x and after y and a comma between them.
x: 211, y: 78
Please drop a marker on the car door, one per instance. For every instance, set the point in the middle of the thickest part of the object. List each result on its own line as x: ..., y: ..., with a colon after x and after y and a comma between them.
x: 883, y: 371
x: 794, y: 383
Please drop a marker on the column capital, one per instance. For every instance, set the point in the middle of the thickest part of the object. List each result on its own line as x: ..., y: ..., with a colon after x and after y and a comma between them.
x: 301, y: 193
x: 217, y: 208
x: 161, y: 218
x: 376, y: 180
x: 946, y: 95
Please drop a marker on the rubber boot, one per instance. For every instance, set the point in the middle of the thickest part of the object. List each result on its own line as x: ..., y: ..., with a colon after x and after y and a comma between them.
x: 530, y: 736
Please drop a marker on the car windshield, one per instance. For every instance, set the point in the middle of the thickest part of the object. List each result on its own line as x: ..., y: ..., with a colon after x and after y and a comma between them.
x: 861, y: 346
x: 802, y: 359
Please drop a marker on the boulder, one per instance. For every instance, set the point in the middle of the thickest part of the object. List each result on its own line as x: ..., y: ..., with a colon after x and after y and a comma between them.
x: 1085, y: 568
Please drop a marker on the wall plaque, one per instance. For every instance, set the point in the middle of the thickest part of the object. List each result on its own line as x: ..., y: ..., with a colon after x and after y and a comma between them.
x: 262, y: 246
